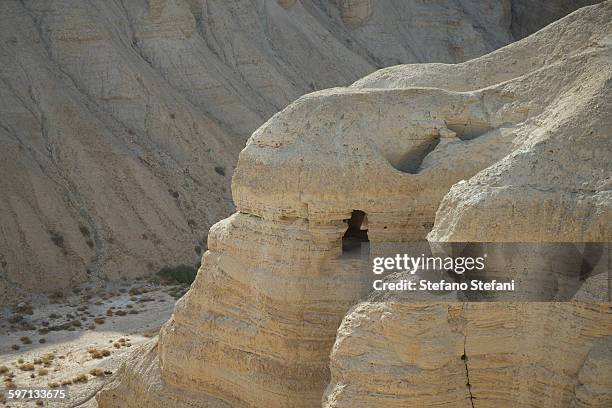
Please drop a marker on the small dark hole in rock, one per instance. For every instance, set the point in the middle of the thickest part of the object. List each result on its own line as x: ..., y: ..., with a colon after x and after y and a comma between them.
x: 356, y: 233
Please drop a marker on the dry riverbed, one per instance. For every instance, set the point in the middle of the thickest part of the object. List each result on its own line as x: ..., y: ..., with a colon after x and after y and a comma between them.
x: 77, y: 342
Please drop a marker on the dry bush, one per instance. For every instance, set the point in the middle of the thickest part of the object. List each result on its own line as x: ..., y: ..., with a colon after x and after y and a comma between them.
x: 95, y: 353
x: 47, y: 359
x: 26, y: 367
x: 81, y: 378
x: 96, y: 372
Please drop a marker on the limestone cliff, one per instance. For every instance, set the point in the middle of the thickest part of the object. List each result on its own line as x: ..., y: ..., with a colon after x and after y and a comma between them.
x: 121, y: 121
x: 398, y: 354
x: 554, y: 186
x: 373, y: 162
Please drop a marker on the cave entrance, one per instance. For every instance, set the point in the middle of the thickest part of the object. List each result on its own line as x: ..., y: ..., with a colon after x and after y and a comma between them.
x: 357, y: 231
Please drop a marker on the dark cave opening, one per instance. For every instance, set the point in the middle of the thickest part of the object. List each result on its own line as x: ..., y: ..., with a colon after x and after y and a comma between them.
x: 357, y: 231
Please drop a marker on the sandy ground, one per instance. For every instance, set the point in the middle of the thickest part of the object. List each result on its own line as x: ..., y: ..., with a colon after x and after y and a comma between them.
x: 87, y: 334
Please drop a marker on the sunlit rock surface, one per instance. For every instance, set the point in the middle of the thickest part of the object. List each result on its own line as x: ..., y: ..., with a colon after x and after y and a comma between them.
x: 375, y: 161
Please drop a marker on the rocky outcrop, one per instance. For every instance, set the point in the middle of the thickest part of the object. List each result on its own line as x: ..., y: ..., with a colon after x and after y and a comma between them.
x: 374, y: 162
x: 437, y: 353
x: 121, y: 121
x: 355, y: 12
x: 473, y: 355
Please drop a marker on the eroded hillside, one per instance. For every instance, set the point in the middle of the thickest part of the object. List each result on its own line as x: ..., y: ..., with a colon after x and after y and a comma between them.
x: 121, y: 121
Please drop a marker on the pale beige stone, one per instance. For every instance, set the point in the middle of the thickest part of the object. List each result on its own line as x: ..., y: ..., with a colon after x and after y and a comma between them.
x: 259, y: 323
x: 398, y: 354
x: 121, y: 121
x: 392, y: 352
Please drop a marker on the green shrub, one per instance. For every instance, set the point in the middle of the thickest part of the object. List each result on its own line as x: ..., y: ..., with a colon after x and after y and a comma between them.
x: 181, y: 273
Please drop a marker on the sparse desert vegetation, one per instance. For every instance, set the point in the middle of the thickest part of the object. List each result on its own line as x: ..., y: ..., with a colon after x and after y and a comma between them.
x: 96, y: 372
x: 102, y: 324
x: 178, y: 274
x: 121, y: 123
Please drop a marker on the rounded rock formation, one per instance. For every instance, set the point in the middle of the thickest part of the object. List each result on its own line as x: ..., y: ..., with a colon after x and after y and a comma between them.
x: 374, y: 163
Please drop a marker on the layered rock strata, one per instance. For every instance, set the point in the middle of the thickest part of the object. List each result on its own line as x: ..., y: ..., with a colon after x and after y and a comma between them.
x: 121, y: 121
x: 374, y: 163
x: 392, y: 352
x: 442, y: 354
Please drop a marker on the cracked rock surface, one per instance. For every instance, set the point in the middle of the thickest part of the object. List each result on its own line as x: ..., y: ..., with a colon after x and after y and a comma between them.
x: 276, y: 316
x: 472, y: 355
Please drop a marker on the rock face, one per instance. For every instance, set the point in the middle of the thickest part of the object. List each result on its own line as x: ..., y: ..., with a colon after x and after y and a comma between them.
x: 393, y: 352
x: 374, y: 162
x: 399, y: 354
x: 121, y: 121
x: 529, y: 16
x: 355, y: 12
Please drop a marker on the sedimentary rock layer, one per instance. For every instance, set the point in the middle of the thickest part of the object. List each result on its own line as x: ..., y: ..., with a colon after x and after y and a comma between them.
x: 398, y: 354
x: 346, y: 165
x: 121, y: 121
x: 395, y: 353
